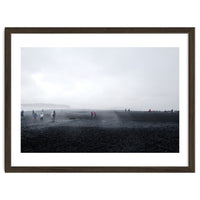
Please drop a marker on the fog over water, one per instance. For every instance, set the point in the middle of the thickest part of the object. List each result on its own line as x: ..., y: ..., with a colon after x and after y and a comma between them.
x: 101, y: 78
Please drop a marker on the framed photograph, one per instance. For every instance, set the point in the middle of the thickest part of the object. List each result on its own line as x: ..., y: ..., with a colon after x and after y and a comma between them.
x: 99, y: 99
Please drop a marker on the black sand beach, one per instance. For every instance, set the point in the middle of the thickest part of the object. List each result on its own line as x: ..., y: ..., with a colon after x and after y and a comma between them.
x: 110, y: 131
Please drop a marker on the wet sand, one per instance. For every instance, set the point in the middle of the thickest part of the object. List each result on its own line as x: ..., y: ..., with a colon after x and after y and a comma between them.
x: 110, y: 131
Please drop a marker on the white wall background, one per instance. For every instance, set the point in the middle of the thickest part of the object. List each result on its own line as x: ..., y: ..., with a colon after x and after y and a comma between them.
x: 90, y: 13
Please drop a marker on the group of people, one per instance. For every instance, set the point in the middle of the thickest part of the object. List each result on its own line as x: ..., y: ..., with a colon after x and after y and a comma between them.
x: 53, y: 115
x: 93, y: 114
x: 127, y: 110
x: 35, y: 115
x: 41, y: 115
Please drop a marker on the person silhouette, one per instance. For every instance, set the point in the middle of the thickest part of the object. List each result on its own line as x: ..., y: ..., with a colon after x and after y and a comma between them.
x: 53, y: 115
x: 22, y: 113
x: 41, y: 116
x: 34, y: 115
x: 92, y: 114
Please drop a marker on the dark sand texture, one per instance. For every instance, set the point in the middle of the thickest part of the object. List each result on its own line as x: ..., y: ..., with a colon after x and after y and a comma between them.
x: 110, y: 131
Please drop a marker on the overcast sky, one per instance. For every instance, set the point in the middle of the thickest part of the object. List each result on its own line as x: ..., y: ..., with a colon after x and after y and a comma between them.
x: 101, y: 78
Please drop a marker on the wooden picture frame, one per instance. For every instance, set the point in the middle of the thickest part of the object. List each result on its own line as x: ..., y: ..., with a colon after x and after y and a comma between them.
x: 112, y: 169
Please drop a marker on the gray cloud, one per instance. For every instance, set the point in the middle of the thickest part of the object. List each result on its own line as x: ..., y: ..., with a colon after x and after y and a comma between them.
x: 104, y: 78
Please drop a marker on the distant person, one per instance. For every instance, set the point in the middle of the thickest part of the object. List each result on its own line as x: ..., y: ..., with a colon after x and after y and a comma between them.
x: 41, y: 116
x: 53, y: 115
x: 149, y: 110
x: 125, y: 110
x: 95, y: 114
x: 92, y: 114
x: 129, y: 110
x: 33, y: 112
x: 35, y: 116
x: 22, y: 113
